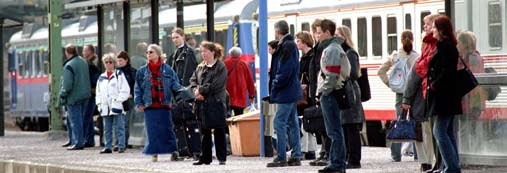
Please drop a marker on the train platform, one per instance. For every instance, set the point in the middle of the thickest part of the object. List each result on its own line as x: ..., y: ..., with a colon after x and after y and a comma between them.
x: 34, y: 152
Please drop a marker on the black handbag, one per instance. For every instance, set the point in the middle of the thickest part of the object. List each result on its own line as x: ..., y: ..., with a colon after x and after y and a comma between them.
x: 345, y: 96
x: 466, y: 81
x: 313, y: 121
x: 212, y: 114
x: 182, y: 111
x: 127, y: 105
x: 364, y: 85
x: 402, y: 130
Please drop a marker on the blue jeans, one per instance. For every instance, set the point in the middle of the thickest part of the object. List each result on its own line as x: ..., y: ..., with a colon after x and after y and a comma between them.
x: 75, y: 119
x: 88, y: 126
x: 116, y: 122
x: 286, y: 119
x: 443, y: 130
x: 69, y: 129
x: 332, y: 121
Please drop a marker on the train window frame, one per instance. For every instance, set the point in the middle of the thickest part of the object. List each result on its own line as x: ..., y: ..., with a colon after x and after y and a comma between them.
x: 347, y: 22
x: 362, y: 42
x: 305, y: 26
x: 21, y: 64
x: 495, y: 35
x: 392, y: 33
x: 292, y: 29
x: 46, y: 63
x: 408, y: 21
x: 376, y: 35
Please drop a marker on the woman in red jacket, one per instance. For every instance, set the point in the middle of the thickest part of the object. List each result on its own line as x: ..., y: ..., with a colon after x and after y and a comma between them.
x: 239, y: 80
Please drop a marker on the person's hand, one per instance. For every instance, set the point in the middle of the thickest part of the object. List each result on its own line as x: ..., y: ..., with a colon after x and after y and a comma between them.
x: 252, y: 100
x: 405, y: 106
x: 140, y: 108
x: 199, y: 97
x: 196, y: 93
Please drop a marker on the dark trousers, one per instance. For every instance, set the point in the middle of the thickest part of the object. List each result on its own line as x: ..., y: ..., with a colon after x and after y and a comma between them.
x: 353, y: 142
x: 206, y: 143
x: 88, y: 125
x: 326, y: 143
x: 237, y: 110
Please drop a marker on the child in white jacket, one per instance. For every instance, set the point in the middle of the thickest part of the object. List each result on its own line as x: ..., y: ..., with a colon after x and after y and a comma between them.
x: 112, y: 90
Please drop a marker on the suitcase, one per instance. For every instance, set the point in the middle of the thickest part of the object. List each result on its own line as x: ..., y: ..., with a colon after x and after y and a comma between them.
x: 188, y: 138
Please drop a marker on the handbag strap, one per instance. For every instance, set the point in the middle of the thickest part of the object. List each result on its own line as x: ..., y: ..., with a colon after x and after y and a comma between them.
x: 233, y: 67
x: 463, y: 62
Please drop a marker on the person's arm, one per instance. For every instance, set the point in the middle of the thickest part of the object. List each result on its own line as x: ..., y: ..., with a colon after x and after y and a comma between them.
x: 139, y: 89
x: 382, y: 72
x: 66, y: 84
x: 249, y: 82
x: 123, y: 88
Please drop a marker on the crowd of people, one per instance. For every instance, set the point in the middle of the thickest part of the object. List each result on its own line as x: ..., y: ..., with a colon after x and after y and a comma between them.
x: 208, y: 85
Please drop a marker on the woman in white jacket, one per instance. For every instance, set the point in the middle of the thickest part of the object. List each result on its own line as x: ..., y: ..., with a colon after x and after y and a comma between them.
x: 112, y: 90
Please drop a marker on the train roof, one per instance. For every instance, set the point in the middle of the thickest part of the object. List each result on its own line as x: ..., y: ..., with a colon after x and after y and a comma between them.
x: 281, y: 7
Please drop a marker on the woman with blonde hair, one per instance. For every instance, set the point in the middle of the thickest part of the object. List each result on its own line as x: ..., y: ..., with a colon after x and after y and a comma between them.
x: 352, y: 118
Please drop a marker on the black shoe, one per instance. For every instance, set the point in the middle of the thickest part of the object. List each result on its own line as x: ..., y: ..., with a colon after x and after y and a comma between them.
x: 294, y: 161
x: 425, y: 167
x: 176, y: 157
x: 353, y: 166
x: 121, y: 150
x: 277, y: 162
x: 394, y: 160
x: 319, y: 162
x: 66, y: 144
x: 201, y: 163
x: 74, y: 147
x: 221, y: 162
x: 89, y: 145
x: 310, y: 155
x: 104, y: 151
x: 329, y: 170
x: 115, y: 148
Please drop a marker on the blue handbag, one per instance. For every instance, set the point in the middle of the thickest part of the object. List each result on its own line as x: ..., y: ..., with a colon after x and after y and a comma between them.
x: 402, y: 129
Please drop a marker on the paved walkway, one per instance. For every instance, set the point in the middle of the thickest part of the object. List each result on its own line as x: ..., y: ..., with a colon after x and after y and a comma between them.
x: 36, y: 148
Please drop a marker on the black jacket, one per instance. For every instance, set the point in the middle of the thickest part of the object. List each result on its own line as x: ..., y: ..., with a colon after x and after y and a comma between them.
x: 314, y: 69
x: 184, y: 63
x: 442, y: 74
x: 94, y: 76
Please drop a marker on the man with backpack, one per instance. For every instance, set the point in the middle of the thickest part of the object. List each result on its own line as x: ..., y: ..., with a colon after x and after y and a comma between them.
x: 399, y: 63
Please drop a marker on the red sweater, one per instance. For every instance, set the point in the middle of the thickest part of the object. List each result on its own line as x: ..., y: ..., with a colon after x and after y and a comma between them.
x: 239, y: 80
x: 430, y: 44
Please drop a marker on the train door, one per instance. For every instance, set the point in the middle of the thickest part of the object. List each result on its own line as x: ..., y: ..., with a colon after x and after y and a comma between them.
x: 12, y: 69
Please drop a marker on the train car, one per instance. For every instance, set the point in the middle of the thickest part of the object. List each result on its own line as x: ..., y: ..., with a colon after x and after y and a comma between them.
x: 376, y: 27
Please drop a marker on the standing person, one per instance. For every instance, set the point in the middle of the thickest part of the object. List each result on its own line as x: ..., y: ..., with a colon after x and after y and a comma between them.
x: 209, y: 86
x: 353, y: 118
x: 304, y: 42
x: 335, y: 69
x: 153, y: 90
x: 239, y: 81
x: 74, y: 94
x: 313, y: 71
x: 139, y: 59
x: 285, y: 92
x: 130, y: 74
x: 442, y: 102
x: 183, y: 60
x: 112, y: 91
x: 404, y: 57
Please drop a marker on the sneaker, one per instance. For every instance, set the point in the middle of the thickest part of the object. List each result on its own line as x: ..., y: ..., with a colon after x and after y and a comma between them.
x: 319, y: 162
x: 277, y: 162
x: 294, y: 161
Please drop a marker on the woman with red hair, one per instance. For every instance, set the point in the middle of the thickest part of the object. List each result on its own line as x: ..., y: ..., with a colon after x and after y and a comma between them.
x: 443, y: 103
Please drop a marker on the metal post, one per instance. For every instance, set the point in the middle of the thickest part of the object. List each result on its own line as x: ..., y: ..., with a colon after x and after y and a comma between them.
x: 126, y: 25
x: 263, y: 61
x: 210, y: 20
x: 154, y: 22
x: 55, y: 47
x: 2, y: 127
x: 100, y: 35
x: 179, y: 14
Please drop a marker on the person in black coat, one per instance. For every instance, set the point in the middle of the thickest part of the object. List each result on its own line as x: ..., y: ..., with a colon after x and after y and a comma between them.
x: 183, y: 61
x: 442, y: 100
x: 130, y: 74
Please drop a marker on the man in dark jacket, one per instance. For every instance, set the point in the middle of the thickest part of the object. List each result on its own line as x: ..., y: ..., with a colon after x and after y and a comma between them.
x: 74, y: 94
x: 285, y: 92
x: 183, y: 61
x: 94, y: 72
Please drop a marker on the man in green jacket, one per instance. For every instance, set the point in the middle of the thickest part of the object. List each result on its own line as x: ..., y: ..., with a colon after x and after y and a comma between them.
x: 74, y: 94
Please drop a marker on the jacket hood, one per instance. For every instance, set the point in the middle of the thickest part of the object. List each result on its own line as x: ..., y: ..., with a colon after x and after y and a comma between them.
x: 324, y: 43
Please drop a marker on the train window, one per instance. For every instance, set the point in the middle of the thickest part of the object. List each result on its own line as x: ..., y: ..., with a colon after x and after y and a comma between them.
x: 292, y: 29
x: 36, y: 63
x: 362, y: 35
x: 347, y: 22
x: 408, y: 21
x: 392, y: 37
x: 45, y: 62
x: 495, y: 24
x: 21, y: 64
x: 28, y: 64
x: 376, y: 34
x: 305, y: 26
x: 221, y: 37
x: 423, y: 14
